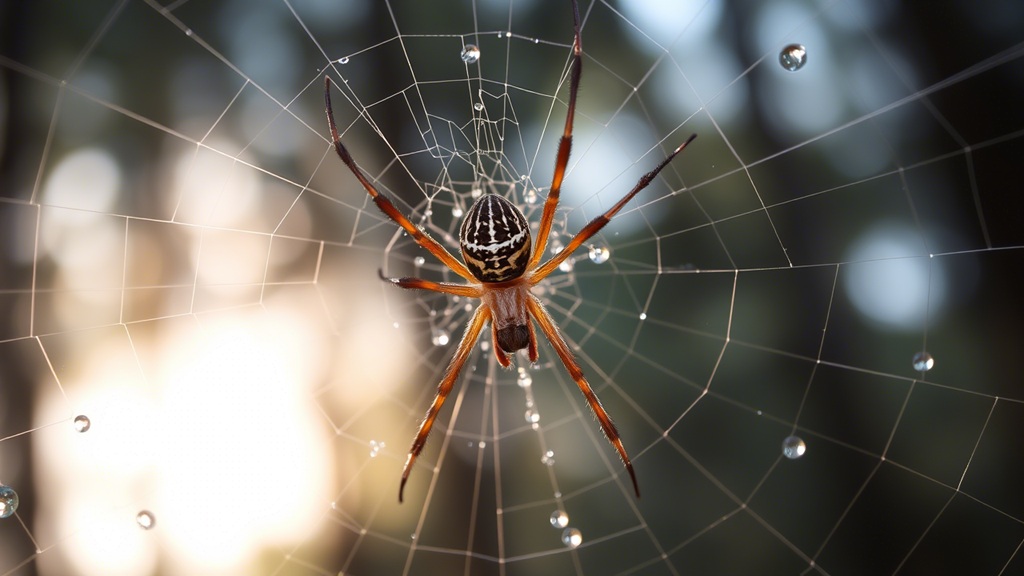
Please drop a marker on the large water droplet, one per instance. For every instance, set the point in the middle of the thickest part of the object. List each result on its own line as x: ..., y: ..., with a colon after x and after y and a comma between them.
x: 572, y: 537
x: 478, y: 106
x: 8, y: 501
x: 559, y: 519
x: 923, y: 362
x: 440, y: 337
x: 793, y: 57
x: 145, y: 519
x: 599, y: 254
x: 793, y: 447
x: 457, y: 211
x: 470, y: 54
x: 82, y: 423
x: 548, y: 458
x: 343, y: 60
x: 419, y: 261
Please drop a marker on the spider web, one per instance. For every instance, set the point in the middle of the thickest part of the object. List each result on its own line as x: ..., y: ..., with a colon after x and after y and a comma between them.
x: 803, y: 328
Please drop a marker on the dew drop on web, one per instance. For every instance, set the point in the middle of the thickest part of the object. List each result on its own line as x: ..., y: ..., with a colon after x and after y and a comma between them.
x: 532, y: 416
x: 524, y: 379
x: 145, y: 519
x: 440, y: 337
x: 793, y: 447
x: 8, y: 501
x: 559, y: 519
x: 548, y: 458
x: 923, y: 362
x: 82, y: 423
x: 572, y: 537
x: 599, y: 254
x: 793, y: 57
x: 375, y: 448
x: 470, y: 54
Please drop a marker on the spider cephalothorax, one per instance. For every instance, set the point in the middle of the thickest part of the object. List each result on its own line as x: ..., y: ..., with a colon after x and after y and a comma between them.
x: 502, y: 265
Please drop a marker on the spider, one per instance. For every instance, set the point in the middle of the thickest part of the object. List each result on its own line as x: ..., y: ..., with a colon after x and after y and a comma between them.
x: 501, y: 267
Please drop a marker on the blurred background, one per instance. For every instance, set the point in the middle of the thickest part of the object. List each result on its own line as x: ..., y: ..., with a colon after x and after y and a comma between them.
x: 803, y: 328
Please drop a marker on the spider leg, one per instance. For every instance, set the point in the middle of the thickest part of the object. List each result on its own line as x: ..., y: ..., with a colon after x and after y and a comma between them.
x: 547, y: 325
x: 564, y: 145
x: 410, y: 283
x: 595, y: 225
x: 482, y: 314
x: 384, y: 203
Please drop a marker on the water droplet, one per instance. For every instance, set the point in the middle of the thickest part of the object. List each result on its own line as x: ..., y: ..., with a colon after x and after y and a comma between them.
x: 643, y: 315
x: 395, y: 324
x: 536, y: 40
x: 548, y: 458
x: 556, y: 245
x: 419, y: 261
x: 457, y: 211
x: 439, y: 337
x: 923, y: 362
x: 478, y: 106
x: 572, y: 537
x: 793, y: 447
x: 470, y: 54
x: 343, y: 60
x: 524, y: 379
x: 483, y: 445
x: 476, y: 193
x: 599, y: 254
x: 501, y: 34
x: 566, y: 265
x: 559, y: 519
x: 530, y: 196
x: 8, y: 501
x: 485, y: 345
x: 375, y: 448
x: 188, y: 32
x: 145, y: 519
x: 532, y: 416
x: 793, y: 57
x: 82, y: 423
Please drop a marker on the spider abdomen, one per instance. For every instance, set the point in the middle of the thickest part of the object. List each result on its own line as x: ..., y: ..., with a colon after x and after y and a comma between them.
x: 495, y: 240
